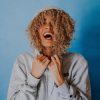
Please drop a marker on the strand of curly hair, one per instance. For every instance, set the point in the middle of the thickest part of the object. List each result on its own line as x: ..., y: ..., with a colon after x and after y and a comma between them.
x: 62, y: 24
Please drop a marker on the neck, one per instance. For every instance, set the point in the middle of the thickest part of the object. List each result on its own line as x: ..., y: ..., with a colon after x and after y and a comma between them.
x: 48, y: 51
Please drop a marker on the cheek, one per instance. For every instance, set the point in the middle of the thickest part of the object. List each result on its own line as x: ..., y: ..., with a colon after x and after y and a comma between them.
x: 41, y: 39
x: 40, y: 36
x: 40, y: 33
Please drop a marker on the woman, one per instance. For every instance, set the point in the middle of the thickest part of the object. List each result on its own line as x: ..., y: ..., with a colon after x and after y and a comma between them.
x: 50, y: 72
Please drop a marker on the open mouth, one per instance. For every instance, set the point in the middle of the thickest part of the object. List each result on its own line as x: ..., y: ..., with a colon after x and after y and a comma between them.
x: 48, y: 36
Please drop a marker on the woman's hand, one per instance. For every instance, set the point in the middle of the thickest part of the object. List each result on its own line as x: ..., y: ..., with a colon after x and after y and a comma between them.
x: 55, y: 67
x: 39, y: 65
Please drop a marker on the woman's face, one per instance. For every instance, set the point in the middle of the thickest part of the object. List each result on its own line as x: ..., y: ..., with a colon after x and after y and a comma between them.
x: 46, y: 33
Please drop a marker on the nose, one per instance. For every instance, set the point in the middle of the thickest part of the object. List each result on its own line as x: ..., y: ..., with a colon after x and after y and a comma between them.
x: 48, y: 27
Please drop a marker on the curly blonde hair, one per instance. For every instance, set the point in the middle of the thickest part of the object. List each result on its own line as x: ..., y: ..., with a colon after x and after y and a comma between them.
x: 62, y: 24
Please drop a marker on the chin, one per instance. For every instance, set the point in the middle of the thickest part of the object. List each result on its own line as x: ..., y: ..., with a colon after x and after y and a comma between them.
x: 47, y: 45
x: 54, y: 47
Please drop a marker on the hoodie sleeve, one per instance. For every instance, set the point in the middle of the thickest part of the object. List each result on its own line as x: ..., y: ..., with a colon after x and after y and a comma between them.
x: 19, y: 88
x: 78, y: 86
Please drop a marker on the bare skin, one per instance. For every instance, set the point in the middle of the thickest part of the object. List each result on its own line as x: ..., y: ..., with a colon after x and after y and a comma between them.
x: 41, y: 62
x: 39, y: 65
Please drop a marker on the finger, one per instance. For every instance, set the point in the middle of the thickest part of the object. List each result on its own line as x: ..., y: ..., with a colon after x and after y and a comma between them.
x: 44, y: 60
x: 57, y: 59
x: 59, y: 62
x: 38, y: 56
x: 54, y: 60
x: 41, y: 58
x: 47, y: 62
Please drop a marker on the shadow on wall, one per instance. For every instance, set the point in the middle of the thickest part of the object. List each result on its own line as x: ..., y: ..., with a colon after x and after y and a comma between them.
x: 91, y: 47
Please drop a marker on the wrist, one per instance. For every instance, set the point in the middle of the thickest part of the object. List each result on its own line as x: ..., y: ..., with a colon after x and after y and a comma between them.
x: 36, y: 76
x: 60, y: 80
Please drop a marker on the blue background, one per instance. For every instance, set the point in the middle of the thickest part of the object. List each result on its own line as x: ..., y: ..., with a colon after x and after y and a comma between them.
x: 15, y: 16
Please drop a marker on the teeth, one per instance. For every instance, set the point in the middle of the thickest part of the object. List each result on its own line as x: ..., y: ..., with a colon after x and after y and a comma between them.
x: 47, y: 34
x: 50, y: 36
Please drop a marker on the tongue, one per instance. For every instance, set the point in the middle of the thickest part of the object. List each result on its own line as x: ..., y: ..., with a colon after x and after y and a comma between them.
x: 48, y: 36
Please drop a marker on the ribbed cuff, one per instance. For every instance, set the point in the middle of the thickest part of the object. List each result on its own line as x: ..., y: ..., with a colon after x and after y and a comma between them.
x: 64, y: 91
x: 33, y: 81
x: 63, y: 88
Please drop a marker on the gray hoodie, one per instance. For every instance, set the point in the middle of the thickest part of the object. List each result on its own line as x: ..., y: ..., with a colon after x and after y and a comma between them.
x: 24, y: 86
